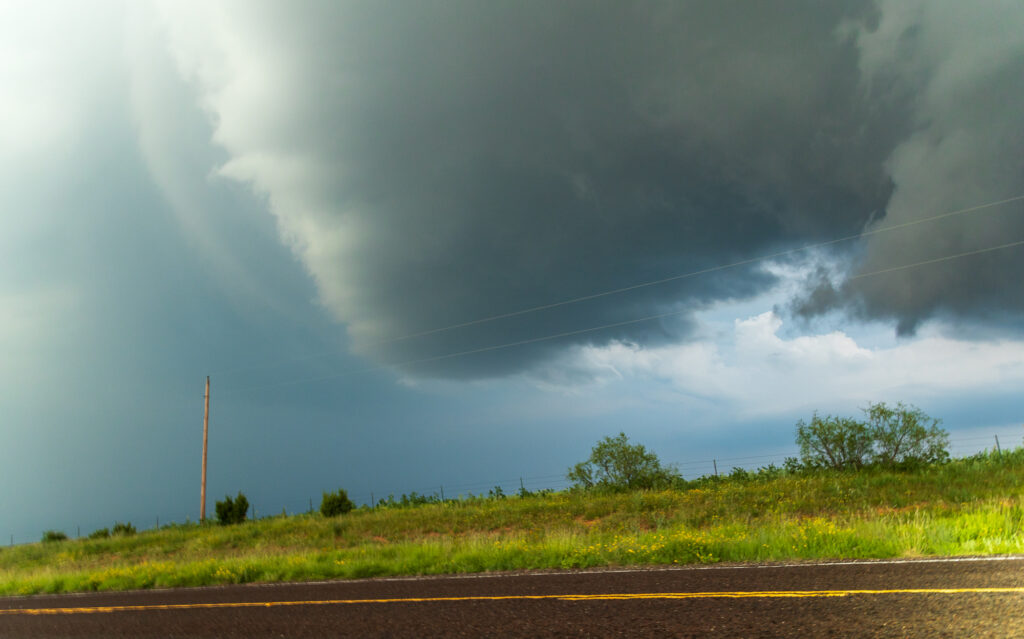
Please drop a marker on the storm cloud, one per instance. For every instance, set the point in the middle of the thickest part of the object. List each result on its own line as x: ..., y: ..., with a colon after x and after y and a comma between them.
x: 960, y: 71
x: 436, y: 163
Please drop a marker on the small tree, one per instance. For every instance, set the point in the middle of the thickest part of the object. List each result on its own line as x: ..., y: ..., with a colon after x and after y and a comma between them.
x: 232, y: 511
x: 833, y: 442
x: 615, y: 464
x: 336, y: 503
x: 905, y: 434
x: 50, y: 536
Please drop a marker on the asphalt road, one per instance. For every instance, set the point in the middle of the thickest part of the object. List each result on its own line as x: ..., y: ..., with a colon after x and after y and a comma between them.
x: 966, y: 598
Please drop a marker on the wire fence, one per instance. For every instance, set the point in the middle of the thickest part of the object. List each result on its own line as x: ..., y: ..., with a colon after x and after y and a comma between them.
x: 689, y: 469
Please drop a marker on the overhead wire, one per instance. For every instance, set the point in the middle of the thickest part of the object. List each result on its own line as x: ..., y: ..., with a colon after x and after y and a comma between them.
x: 938, y: 259
x: 705, y: 271
x: 472, y: 351
x: 534, y: 340
x: 682, y: 276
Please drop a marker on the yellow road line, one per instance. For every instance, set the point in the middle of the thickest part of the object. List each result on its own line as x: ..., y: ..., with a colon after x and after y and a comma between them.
x: 570, y: 597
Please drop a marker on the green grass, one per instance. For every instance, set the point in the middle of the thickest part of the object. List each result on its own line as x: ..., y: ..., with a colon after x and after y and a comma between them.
x: 966, y: 507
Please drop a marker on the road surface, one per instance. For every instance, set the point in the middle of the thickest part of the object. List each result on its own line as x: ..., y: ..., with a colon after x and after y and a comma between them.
x: 916, y: 598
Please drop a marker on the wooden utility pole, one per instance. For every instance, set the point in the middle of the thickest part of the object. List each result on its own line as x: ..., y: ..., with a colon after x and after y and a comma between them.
x: 206, y: 431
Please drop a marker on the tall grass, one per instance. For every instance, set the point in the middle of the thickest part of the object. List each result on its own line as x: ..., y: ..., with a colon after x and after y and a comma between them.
x: 968, y: 506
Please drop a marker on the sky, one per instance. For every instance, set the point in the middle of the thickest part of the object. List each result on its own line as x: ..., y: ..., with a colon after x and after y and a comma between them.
x: 450, y: 245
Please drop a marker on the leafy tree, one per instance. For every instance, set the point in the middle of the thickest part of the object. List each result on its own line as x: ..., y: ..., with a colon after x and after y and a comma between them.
x: 336, y: 503
x: 232, y: 511
x: 905, y: 434
x: 54, y: 535
x: 834, y: 442
x: 615, y: 464
x: 891, y: 436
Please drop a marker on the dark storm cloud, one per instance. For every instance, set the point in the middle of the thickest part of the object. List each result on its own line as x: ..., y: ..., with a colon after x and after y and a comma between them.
x: 438, y: 163
x: 960, y: 72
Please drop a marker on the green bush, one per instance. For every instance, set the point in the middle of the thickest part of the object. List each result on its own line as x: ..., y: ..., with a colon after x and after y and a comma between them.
x: 833, y: 442
x: 769, y: 472
x: 740, y: 474
x: 124, y: 530
x: 102, y: 533
x: 901, y: 436
x: 906, y: 436
x: 54, y: 535
x: 336, y: 503
x: 408, y: 501
x: 793, y: 466
x: 617, y: 465
x: 232, y: 511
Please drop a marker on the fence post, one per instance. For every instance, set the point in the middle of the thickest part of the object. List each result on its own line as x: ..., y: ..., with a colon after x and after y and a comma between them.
x: 999, y: 451
x: 715, y: 462
x: 442, y: 493
x: 373, y: 502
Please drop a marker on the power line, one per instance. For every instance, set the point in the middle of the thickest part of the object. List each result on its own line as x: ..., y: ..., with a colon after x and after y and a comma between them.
x: 938, y: 259
x: 544, y: 338
x: 473, y: 351
x: 691, y: 274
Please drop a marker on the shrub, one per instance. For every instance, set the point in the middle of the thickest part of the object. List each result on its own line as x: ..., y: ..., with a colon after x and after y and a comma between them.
x: 102, y: 533
x: 336, y: 503
x: 898, y: 436
x: 740, y: 474
x: 833, y: 442
x: 123, y: 529
x: 53, y: 535
x: 408, y: 501
x: 792, y: 466
x: 906, y: 435
x: 232, y: 511
x: 615, y: 464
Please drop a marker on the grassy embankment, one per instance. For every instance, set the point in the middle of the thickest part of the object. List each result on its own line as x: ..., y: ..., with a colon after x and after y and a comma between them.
x: 967, y: 507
